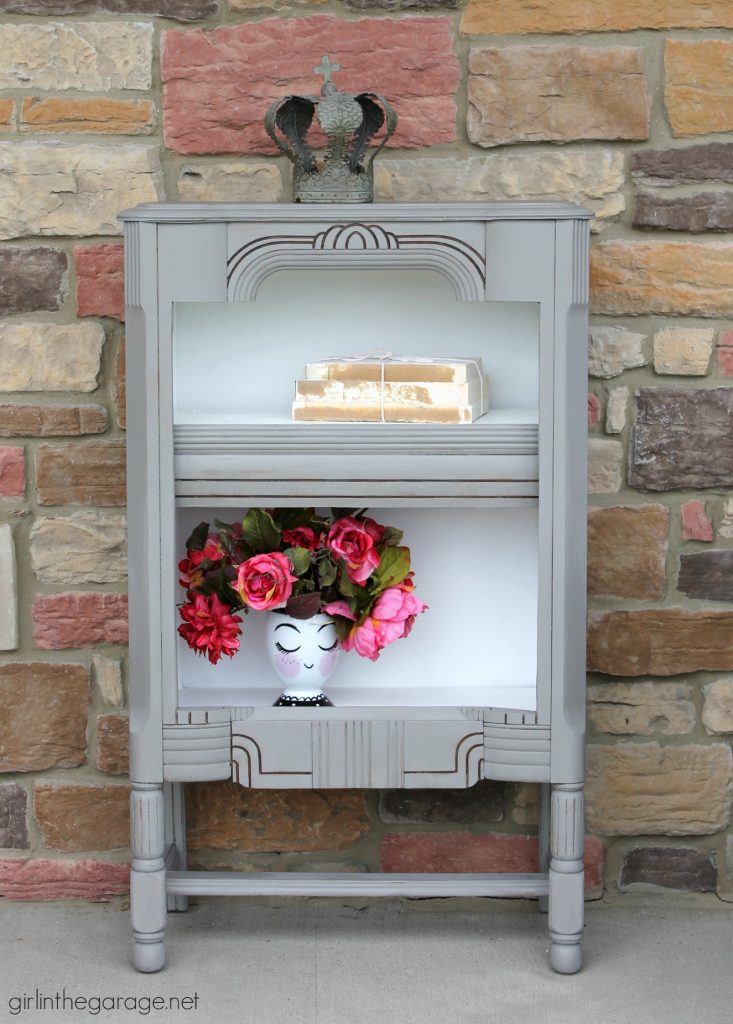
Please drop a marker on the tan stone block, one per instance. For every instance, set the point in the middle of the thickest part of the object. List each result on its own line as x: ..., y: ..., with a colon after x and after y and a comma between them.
x: 85, y: 547
x: 717, y: 710
x: 43, y: 716
x: 647, y: 789
x: 51, y: 189
x: 86, y: 55
x: 627, y: 551
x: 525, y: 809
x: 50, y: 420
x: 605, y: 466
x: 113, y: 736
x: 108, y: 680
x: 50, y: 357
x: 76, y: 818
x: 616, y: 409
x: 226, y: 816
x: 611, y: 350
x: 556, y: 94
x: 726, y: 523
x: 231, y: 182
x: 660, y: 642
x: 593, y: 178
x: 683, y: 350
x: 698, y: 90
x: 6, y: 113
x: 110, y: 117
x: 641, y: 709
x: 84, y: 474
x: 662, y: 277
x: 518, y: 17
x: 251, y: 6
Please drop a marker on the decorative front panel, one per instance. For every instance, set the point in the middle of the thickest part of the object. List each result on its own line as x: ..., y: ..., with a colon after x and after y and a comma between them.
x: 457, y: 252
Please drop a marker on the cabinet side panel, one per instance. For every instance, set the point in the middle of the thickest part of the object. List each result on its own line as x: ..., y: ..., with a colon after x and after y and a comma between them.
x: 143, y: 502
x: 192, y: 268
x: 570, y: 503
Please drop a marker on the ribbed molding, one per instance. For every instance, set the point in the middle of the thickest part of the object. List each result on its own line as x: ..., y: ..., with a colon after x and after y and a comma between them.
x: 132, y: 264
x: 567, y: 823
x: 147, y: 825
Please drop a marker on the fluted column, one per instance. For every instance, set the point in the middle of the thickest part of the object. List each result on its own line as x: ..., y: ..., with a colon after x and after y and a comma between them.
x: 566, y: 908
x: 147, y: 877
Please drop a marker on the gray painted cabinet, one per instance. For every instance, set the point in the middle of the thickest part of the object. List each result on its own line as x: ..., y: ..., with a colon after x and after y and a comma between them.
x: 225, y: 305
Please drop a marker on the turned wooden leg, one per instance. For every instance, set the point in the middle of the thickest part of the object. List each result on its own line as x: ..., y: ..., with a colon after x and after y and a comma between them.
x: 147, y: 877
x: 566, y: 878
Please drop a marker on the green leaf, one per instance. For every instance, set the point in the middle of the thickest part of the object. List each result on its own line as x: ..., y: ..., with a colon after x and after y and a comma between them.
x: 198, y: 538
x: 290, y: 518
x: 394, y: 565
x: 260, y: 531
x: 300, y: 559
x: 327, y: 572
x: 343, y: 513
x: 392, y: 536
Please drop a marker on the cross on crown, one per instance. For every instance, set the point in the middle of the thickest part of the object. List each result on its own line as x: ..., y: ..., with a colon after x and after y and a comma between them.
x: 326, y: 68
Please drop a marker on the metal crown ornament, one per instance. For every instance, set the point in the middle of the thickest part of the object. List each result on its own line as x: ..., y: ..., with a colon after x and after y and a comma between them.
x: 350, y: 122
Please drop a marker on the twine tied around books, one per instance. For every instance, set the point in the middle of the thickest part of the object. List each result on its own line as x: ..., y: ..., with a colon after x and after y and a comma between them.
x: 384, y: 356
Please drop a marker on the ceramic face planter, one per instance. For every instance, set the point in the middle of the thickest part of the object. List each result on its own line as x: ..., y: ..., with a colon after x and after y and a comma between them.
x: 303, y: 653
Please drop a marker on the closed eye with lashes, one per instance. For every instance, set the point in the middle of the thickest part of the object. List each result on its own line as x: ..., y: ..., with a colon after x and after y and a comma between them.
x: 333, y: 646
x: 288, y: 650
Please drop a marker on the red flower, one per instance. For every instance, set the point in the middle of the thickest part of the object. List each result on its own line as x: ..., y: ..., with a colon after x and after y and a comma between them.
x: 209, y: 628
x: 303, y: 537
x: 265, y: 581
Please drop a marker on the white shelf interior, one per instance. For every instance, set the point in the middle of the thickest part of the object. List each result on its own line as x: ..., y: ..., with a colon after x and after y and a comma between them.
x: 476, y: 646
x: 237, y: 362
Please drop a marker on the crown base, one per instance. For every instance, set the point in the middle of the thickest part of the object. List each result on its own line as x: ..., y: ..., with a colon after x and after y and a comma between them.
x: 334, y: 184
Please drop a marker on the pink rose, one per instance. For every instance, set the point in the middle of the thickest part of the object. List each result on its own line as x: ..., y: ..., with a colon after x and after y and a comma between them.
x: 353, y: 542
x: 265, y: 581
x: 302, y: 537
x: 391, y: 618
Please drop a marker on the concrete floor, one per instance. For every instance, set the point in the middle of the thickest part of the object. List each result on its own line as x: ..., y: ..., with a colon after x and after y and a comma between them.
x: 387, y: 962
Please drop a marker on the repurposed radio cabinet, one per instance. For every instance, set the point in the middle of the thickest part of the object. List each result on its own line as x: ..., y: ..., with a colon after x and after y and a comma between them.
x: 225, y: 305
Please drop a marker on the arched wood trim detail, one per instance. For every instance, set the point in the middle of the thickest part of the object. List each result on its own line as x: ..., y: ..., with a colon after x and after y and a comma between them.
x: 356, y: 246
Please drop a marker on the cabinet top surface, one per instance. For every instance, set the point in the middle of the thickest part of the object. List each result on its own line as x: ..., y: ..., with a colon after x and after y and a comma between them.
x: 188, y: 213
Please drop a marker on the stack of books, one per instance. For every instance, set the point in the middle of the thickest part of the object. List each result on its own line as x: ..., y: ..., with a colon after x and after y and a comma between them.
x: 392, y: 391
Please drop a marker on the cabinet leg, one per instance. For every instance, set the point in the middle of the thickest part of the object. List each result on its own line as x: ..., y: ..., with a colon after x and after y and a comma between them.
x: 147, y: 877
x: 566, y: 878
x: 175, y: 828
x: 544, y: 838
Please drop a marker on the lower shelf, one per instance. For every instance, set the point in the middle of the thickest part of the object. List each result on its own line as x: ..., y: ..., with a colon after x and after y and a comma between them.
x: 273, y: 883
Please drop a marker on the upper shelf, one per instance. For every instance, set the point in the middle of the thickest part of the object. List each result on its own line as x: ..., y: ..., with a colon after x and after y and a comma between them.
x: 188, y: 213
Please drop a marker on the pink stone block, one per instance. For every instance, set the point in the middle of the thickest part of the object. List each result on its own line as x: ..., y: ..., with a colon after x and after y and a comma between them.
x: 82, y: 619
x: 218, y: 84
x: 12, y: 471
x: 725, y: 361
x: 463, y: 852
x: 725, y: 339
x: 42, y: 879
x: 100, y: 281
x: 594, y: 410
x: 695, y: 522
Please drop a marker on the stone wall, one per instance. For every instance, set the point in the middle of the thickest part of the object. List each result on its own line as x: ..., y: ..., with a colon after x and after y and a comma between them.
x: 624, y: 107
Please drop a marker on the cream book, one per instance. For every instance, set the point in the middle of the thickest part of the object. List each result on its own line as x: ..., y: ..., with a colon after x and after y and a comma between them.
x: 374, y: 412
x: 370, y: 392
x: 448, y: 371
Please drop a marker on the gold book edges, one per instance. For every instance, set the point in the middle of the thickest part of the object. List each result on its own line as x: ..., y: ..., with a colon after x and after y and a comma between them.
x: 445, y: 371
x: 410, y: 393
x: 375, y: 412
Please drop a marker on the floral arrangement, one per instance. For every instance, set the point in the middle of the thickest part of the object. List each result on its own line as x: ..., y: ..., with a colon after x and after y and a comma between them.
x: 345, y: 564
